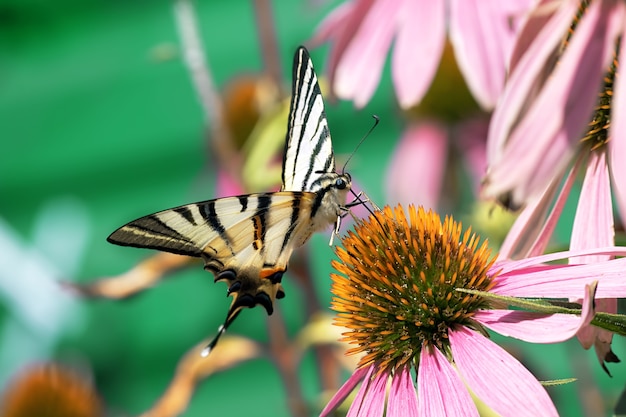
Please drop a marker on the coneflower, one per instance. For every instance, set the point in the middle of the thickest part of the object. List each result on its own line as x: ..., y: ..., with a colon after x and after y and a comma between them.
x: 401, y: 291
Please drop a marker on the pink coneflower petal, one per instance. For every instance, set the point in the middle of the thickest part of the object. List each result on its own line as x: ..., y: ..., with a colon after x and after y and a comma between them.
x: 361, y: 65
x: 530, y: 68
x: 565, y: 281
x: 539, y: 328
x: 617, y: 144
x: 344, y: 21
x: 542, y: 13
x: 512, y: 267
x: 442, y: 393
x: 332, y: 24
x: 532, y: 230
x: 561, y: 111
x: 402, y: 400
x: 370, y: 401
x: 361, y: 374
x: 421, y: 153
x: 484, y: 366
x: 414, y: 64
x: 593, y: 224
x: 482, y: 37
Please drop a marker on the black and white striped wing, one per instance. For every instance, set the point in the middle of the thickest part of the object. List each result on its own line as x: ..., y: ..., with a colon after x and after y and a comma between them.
x: 308, y: 148
x: 253, y: 232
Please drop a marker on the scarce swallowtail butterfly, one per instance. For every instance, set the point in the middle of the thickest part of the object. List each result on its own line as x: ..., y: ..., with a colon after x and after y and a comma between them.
x: 246, y: 241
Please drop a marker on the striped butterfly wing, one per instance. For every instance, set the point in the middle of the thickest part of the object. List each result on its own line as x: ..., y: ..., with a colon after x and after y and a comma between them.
x: 253, y: 232
x: 308, y: 148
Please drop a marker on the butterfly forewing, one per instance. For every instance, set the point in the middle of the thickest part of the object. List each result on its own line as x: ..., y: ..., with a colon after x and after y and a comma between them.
x: 308, y: 148
x: 257, y: 228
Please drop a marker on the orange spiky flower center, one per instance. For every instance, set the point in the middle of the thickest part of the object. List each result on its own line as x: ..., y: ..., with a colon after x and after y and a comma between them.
x: 395, y: 289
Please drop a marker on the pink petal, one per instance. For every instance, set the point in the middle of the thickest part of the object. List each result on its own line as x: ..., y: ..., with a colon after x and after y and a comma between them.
x: 345, y: 390
x: 402, y: 396
x: 565, y: 281
x: 343, y: 25
x: 539, y: 328
x: 472, y: 134
x: 372, y: 402
x: 332, y: 25
x: 227, y: 185
x: 482, y: 36
x: 515, y: 96
x: 617, y: 144
x: 497, y: 378
x: 360, y: 67
x: 601, y: 338
x: 534, y: 227
x: 421, y: 153
x: 505, y: 267
x: 537, y: 19
x: 414, y: 63
x: 556, y: 119
x: 593, y: 224
x: 442, y: 393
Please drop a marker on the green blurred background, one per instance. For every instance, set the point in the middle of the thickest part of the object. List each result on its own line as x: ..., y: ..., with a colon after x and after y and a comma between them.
x: 99, y: 125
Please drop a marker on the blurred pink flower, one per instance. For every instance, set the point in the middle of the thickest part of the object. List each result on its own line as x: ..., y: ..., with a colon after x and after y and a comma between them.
x: 396, y: 291
x: 418, y: 168
x: 361, y: 33
x: 418, y: 165
x: 537, y: 144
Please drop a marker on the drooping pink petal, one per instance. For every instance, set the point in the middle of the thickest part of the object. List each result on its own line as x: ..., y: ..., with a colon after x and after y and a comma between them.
x: 595, y: 336
x: 617, y: 144
x: 402, y: 396
x: 373, y: 402
x: 565, y: 281
x: 520, y: 86
x: 537, y: 18
x: 534, y: 227
x: 497, y: 378
x: 545, y: 139
x: 345, y: 390
x: 441, y: 391
x: 418, y: 165
x: 482, y: 36
x: 593, y: 224
x: 414, y: 63
x: 539, y: 328
x: 360, y: 66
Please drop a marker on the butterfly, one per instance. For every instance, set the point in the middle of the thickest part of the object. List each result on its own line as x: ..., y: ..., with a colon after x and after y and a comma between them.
x: 247, y: 240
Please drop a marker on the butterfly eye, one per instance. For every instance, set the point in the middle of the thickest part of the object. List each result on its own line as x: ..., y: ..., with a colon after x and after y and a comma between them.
x: 341, y: 184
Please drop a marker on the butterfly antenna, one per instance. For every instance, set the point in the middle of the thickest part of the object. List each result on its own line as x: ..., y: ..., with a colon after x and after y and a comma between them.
x: 376, y: 121
x: 220, y: 331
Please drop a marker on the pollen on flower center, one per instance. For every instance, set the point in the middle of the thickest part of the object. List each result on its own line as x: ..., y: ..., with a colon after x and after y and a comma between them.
x: 395, y: 289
